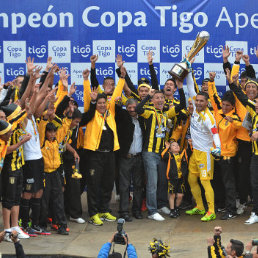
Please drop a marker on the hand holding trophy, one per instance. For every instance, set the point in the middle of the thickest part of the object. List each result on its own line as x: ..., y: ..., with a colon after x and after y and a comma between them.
x: 181, y: 70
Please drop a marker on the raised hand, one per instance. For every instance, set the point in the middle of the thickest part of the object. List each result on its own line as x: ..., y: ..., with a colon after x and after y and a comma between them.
x: 30, y: 65
x: 86, y: 74
x: 94, y: 95
x: 94, y: 59
x: 225, y: 54
x: 49, y: 63
x: 179, y: 84
x: 72, y: 89
x: 212, y: 76
x: 37, y: 72
x: 239, y: 55
x: 119, y: 61
x: 150, y: 57
x: 256, y: 52
x: 246, y: 59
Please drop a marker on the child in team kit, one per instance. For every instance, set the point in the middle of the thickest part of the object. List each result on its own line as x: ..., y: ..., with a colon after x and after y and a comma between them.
x: 176, y: 172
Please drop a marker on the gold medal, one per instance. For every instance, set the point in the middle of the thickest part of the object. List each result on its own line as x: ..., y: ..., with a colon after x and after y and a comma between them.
x: 159, y: 131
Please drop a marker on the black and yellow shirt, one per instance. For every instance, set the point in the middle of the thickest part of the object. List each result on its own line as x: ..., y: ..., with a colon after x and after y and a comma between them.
x: 50, y: 149
x: 250, y: 106
x: 156, y: 123
x: 15, y: 160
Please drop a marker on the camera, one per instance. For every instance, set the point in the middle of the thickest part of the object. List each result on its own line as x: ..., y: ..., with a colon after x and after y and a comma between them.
x: 119, y: 236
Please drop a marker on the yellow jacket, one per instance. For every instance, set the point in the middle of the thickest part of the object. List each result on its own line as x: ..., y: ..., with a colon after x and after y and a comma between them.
x: 227, y: 130
x: 50, y: 150
x: 94, y: 127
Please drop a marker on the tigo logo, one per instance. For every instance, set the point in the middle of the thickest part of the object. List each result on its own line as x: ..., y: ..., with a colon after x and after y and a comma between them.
x: 173, y: 51
x: 83, y: 51
x: 129, y: 51
x: 40, y: 52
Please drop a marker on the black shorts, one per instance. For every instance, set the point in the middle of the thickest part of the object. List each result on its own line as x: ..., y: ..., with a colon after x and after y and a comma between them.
x: 11, y: 187
x: 33, y: 175
x: 176, y: 186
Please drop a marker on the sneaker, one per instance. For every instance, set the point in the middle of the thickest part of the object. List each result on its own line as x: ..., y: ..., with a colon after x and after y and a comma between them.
x: 95, y: 220
x: 208, y: 216
x: 221, y: 209
x: 78, y: 220
x: 21, y: 233
x: 164, y: 210
x: 7, y: 237
x: 107, y: 216
x: 31, y: 232
x: 49, y: 220
x: 41, y: 230
x: 62, y: 230
x: 173, y: 214
x: 253, y: 219
x: 228, y: 215
x: 177, y: 212
x: 195, y: 211
x: 156, y: 216
x: 241, y: 209
x: 54, y: 226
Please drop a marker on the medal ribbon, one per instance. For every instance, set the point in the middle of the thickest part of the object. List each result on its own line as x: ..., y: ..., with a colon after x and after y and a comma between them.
x: 159, y: 122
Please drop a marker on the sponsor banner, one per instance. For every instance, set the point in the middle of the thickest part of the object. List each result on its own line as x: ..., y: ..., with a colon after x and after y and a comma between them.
x: 14, y: 51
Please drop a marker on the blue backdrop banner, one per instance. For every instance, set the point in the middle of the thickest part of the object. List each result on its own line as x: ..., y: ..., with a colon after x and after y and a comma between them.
x: 71, y: 31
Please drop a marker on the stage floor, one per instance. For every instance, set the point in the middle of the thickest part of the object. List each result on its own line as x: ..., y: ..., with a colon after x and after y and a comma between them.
x: 186, y: 236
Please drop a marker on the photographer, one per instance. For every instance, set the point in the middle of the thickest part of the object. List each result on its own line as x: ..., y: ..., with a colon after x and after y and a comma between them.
x: 14, y: 237
x: 250, y: 251
x: 105, y: 249
x: 233, y: 249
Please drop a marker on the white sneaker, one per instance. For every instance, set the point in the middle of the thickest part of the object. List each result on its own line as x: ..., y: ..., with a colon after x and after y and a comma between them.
x: 156, y: 216
x: 78, y: 220
x: 164, y: 210
x: 7, y: 237
x: 117, y: 197
x: 241, y: 209
x: 253, y: 219
x: 21, y: 233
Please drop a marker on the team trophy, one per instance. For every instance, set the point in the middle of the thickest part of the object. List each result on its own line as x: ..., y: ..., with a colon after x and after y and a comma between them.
x: 181, y: 70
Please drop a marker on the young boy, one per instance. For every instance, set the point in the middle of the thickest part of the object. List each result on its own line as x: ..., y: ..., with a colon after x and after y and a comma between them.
x: 176, y: 172
x: 50, y: 138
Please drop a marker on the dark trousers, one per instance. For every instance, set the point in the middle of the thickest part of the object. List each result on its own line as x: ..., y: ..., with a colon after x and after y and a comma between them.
x: 72, y: 193
x: 243, y: 169
x: 53, y: 190
x: 130, y: 168
x: 254, y: 181
x: 162, y: 188
x: 100, y: 181
x: 218, y: 185
x: 83, y: 168
x: 228, y: 177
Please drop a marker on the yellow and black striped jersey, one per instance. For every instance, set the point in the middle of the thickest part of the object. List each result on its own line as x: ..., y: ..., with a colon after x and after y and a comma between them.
x: 156, y: 122
x: 15, y: 160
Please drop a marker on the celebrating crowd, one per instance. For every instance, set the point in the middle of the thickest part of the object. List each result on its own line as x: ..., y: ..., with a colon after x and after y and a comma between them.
x: 202, y: 155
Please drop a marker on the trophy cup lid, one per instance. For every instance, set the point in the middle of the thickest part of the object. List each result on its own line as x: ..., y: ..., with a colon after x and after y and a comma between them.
x: 205, y: 35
